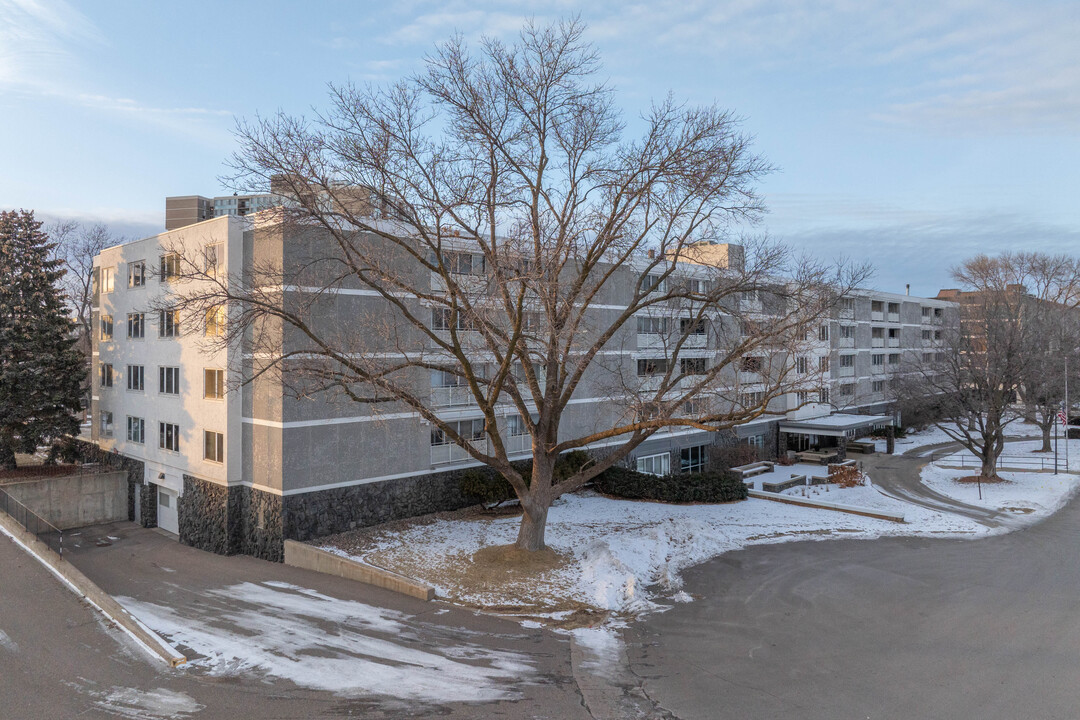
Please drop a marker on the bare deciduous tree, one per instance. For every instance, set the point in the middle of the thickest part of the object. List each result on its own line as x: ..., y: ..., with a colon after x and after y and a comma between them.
x: 1015, y: 320
x: 517, y: 250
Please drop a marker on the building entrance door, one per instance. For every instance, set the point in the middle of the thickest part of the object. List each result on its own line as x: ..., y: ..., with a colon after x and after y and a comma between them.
x: 167, y: 517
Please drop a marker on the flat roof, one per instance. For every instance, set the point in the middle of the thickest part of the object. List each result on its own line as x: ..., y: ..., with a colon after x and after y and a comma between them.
x: 835, y: 424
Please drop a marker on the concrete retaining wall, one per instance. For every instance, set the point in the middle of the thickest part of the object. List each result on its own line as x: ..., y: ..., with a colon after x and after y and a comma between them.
x: 74, y: 501
x: 309, y: 557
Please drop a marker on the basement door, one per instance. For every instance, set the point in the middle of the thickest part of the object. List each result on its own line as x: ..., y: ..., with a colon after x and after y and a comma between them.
x: 167, y: 518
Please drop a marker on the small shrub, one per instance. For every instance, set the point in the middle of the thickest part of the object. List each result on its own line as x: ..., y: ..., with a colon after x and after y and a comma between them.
x: 729, y: 456
x: 486, y: 486
x: 846, y: 477
x: 705, y: 487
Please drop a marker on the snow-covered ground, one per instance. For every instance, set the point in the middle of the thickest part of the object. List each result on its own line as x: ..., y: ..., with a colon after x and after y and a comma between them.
x: 292, y: 633
x: 934, y: 436
x: 626, y: 556
x: 1032, y: 495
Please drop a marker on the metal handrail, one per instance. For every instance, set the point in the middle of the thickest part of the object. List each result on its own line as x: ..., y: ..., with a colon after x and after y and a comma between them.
x: 1003, y: 461
x: 33, y: 523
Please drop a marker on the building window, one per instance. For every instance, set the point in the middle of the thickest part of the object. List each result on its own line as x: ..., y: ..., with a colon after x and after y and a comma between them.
x: 927, y: 334
x: 106, y: 375
x: 693, y: 366
x: 214, y: 259
x: 847, y: 304
x: 692, y: 326
x: 752, y: 399
x: 136, y: 325
x: 877, y: 359
x: 804, y: 397
x: 654, y: 283
x: 443, y: 318
x: 692, y: 459
x: 878, y: 386
x: 823, y: 363
x: 106, y: 423
x: 462, y: 263
x: 652, y: 366
x: 651, y: 325
x: 515, y: 426
x: 877, y: 306
x: 697, y: 407
x: 659, y: 464
x: 752, y: 364
x: 136, y: 430
x: 847, y: 331
x: 894, y: 358
x: 847, y: 389
x: 927, y: 312
x: 169, y: 437
x: 472, y: 430
x: 137, y: 273
x: 213, y: 446
x: 108, y: 279
x: 106, y: 327
x: 847, y: 361
x: 135, y: 377
x: 802, y: 365
x: 823, y: 333
x: 213, y: 383
x: 823, y: 395
x: 757, y: 441
x: 169, y: 380
x: 170, y: 267
x: 169, y: 323
x: 215, y: 321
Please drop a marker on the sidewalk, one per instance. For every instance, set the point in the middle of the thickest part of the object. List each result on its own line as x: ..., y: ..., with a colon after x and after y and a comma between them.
x: 255, y: 621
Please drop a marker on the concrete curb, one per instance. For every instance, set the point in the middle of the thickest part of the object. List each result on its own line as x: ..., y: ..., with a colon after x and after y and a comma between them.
x: 97, y: 597
x: 309, y: 557
x: 806, y: 502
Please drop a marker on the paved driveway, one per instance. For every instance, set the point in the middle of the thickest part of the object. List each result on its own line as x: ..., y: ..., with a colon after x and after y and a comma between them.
x: 271, y: 641
x: 894, y: 628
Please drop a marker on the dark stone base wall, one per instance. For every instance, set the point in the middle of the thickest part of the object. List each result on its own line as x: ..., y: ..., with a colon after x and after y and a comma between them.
x: 325, y: 512
x: 148, y: 506
x: 231, y: 520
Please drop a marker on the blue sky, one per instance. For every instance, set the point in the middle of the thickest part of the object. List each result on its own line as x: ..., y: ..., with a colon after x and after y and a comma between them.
x: 912, y: 134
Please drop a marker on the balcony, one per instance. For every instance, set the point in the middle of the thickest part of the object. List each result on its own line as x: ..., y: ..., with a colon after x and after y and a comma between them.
x: 846, y: 342
x: 894, y: 317
x: 846, y: 313
x: 451, y: 396
x: 877, y: 369
x: 894, y: 342
x: 450, y: 453
x: 845, y: 372
x: 877, y: 315
x: 877, y: 342
x: 517, y: 444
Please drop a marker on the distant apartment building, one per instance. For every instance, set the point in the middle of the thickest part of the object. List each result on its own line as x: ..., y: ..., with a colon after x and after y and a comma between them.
x: 238, y: 469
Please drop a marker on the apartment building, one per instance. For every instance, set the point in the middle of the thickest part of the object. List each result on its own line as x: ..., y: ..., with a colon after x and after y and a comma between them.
x: 237, y: 469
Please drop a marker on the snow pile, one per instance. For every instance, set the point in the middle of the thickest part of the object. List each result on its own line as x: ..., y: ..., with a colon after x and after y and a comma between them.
x: 135, y: 704
x: 341, y: 646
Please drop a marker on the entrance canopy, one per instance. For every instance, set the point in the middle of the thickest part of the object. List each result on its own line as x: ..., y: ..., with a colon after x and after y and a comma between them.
x: 835, y: 425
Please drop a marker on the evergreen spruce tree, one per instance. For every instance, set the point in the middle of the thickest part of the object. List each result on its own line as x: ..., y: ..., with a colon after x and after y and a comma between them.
x: 40, y: 369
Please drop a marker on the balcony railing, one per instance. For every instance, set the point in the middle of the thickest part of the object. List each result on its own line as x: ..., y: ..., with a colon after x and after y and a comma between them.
x: 877, y: 315
x: 877, y: 369
x: 449, y: 453
x: 451, y: 396
x: 846, y: 372
x: 894, y: 342
x: 877, y: 342
x: 894, y: 317
x: 846, y: 342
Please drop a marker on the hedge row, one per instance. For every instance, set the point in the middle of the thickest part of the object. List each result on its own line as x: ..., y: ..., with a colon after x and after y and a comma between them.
x: 706, y: 487
x: 490, y: 488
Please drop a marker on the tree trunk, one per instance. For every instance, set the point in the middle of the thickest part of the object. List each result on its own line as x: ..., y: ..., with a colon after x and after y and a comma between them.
x: 7, y: 456
x: 533, y: 525
x: 535, y: 506
x: 989, y: 466
x: 1046, y: 439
